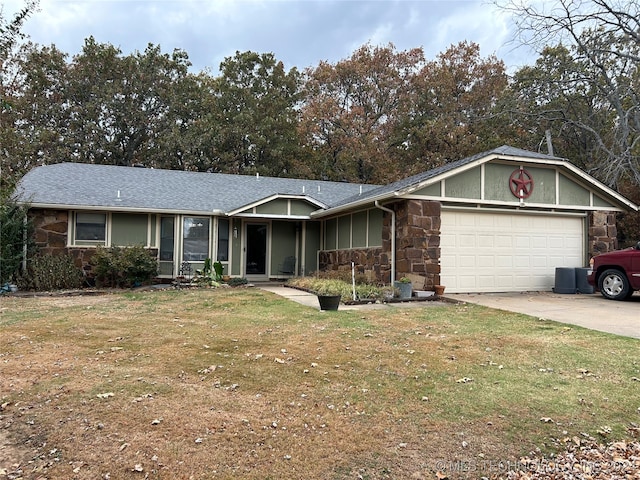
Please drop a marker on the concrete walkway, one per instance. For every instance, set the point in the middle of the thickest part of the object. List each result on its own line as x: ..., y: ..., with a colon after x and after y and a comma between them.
x: 588, y: 311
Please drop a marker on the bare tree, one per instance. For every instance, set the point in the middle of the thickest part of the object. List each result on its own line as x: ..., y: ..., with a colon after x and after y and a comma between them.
x: 603, y: 37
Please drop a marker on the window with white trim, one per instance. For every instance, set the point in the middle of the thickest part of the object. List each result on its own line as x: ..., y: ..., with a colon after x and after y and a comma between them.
x: 90, y: 228
x: 195, y: 239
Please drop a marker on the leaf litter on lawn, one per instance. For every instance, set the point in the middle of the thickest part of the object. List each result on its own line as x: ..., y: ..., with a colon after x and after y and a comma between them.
x: 198, y: 390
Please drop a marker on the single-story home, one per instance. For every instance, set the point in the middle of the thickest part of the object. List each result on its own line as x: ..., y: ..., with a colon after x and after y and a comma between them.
x: 502, y: 220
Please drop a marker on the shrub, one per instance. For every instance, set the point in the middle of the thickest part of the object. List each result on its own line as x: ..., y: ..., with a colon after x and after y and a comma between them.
x: 237, y: 281
x: 334, y: 286
x: 15, y: 228
x: 123, y: 267
x: 344, y: 275
x: 51, y: 272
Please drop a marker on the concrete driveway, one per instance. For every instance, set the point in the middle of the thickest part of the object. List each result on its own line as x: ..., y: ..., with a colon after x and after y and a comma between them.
x: 588, y: 311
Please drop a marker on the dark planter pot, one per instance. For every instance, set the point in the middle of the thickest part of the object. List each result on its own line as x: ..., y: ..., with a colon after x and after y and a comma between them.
x: 329, y: 302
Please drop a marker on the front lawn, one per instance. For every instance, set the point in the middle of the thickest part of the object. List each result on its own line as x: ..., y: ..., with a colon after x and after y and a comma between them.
x: 240, y: 383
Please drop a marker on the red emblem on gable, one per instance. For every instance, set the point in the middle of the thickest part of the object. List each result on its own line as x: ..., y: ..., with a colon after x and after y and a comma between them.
x: 521, y: 183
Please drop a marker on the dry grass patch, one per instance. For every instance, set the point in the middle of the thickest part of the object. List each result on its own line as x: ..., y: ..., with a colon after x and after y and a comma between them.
x: 244, y: 384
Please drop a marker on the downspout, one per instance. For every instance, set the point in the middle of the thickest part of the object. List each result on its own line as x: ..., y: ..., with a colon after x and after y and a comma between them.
x: 393, y: 238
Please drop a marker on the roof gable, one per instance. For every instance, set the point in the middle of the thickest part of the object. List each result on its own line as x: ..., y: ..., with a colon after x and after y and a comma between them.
x: 454, y: 181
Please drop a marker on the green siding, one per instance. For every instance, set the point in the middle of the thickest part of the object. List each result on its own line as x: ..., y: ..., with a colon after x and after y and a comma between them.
x: 359, y: 229
x: 283, y: 243
x: 129, y: 229
x: 344, y: 231
x: 600, y: 202
x: 302, y: 208
x: 573, y: 194
x: 544, y: 185
x: 312, y: 246
x: 375, y: 227
x: 279, y: 206
x: 153, y: 231
x: 434, y: 190
x: 330, y: 227
x: 496, y: 182
x: 464, y: 185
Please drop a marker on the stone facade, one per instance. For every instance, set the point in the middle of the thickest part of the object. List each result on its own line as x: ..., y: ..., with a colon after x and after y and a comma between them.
x: 373, y: 263
x: 418, y: 242
x: 417, y: 248
x: 51, y: 228
x: 603, y: 233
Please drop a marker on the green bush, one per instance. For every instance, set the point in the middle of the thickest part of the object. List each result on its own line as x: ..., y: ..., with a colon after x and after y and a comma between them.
x: 123, y: 267
x: 237, y: 281
x: 51, y: 272
x: 15, y: 228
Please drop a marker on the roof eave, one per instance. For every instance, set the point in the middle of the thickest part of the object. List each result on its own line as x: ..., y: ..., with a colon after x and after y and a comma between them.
x: 112, y: 208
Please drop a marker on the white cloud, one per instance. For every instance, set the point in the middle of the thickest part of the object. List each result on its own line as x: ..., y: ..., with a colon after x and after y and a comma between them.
x: 299, y: 32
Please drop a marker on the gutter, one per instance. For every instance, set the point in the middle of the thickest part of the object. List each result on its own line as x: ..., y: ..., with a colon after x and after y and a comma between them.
x: 393, y: 239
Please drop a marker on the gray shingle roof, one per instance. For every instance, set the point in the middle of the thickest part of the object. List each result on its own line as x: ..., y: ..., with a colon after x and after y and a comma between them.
x: 87, y: 185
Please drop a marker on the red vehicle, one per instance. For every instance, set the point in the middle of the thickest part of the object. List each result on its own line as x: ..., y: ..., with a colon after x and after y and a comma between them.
x: 616, y: 274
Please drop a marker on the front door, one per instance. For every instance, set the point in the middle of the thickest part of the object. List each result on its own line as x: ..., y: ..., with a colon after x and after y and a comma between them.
x: 167, y: 247
x: 256, y: 251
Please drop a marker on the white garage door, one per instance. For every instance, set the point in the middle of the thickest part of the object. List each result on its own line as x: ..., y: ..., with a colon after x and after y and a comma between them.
x: 507, y: 252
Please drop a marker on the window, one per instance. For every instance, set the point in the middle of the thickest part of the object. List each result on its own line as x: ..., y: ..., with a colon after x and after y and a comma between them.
x: 223, y: 240
x: 91, y: 228
x: 195, y: 239
x: 166, y: 239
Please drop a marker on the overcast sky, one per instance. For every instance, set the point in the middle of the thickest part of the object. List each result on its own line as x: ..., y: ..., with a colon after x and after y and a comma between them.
x: 300, y: 33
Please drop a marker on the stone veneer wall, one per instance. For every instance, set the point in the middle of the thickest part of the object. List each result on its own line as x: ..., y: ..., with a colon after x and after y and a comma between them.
x: 370, y: 262
x: 50, y: 231
x: 603, y: 233
x: 418, y: 242
x: 417, y: 247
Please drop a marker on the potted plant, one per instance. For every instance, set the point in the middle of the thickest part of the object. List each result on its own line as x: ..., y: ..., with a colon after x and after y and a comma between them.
x: 405, y: 287
x: 328, y: 294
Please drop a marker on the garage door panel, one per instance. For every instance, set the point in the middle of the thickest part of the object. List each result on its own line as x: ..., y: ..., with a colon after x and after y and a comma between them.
x: 503, y: 261
x: 539, y: 242
x: 503, y: 241
x: 498, y: 252
x: 485, y: 261
x: 467, y: 261
x: 467, y: 241
x: 486, y: 241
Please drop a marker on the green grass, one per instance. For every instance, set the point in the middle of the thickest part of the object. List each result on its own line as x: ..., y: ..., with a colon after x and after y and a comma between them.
x: 274, y: 389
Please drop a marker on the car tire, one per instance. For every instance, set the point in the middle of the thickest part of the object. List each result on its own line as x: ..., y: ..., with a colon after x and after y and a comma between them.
x: 613, y: 284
